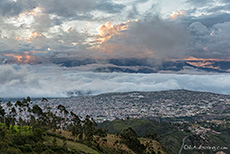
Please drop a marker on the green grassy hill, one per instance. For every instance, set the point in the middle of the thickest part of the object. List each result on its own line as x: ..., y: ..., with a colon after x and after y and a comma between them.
x: 171, y: 136
x: 37, y: 140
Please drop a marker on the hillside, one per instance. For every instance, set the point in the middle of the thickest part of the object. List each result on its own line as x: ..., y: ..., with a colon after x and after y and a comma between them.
x: 37, y: 140
x: 37, y: 130
x: 134, y: 65
x: 171, y: 135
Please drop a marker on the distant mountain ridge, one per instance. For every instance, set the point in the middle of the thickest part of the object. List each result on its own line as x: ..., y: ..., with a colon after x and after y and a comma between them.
x: 134, y: 65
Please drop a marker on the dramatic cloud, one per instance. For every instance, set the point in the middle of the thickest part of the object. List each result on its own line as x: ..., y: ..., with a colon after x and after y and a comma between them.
x: 148, y: 38
x: 107, y: 30
x: 65, y: 8
x: 211, y: 42
x: 14, y: 8
x: 69, y: 28
x: 41, y: 81
x: 42, y: 32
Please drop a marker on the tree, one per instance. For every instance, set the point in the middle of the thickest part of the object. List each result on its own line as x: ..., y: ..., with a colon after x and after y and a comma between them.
x: 89, y: 128
x: 37, y: 110
x: 13, y: 113
x: 101, y: 132
x: 130, y: 138
x: 3, y: 146
x: 2, y: 113
x: 38, y: 134
x: 9, y: 104
x: 45, y: 101
x: 2, y: 133
x: 28, y: 99
x: 76, y: 126
x: 18, y: 103
x: 64, y: 113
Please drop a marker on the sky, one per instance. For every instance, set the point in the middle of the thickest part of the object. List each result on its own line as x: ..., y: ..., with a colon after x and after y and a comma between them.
x: 40, y: 30
x: 35, y: 33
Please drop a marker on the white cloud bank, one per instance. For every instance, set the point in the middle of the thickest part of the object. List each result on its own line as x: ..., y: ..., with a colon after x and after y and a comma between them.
x: 52, y: 81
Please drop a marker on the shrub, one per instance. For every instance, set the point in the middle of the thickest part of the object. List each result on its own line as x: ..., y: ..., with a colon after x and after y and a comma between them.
x: 26, y: 148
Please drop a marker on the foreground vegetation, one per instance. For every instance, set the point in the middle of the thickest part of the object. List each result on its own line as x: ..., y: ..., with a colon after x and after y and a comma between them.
x: 171, y: 135
x: 27, y: 128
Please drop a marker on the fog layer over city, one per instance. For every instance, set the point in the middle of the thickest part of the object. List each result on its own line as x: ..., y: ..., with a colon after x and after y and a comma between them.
x: 53, y: 81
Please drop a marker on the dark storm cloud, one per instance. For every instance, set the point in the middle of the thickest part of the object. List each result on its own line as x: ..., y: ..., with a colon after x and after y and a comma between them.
x: 210, y: 33
x: 163, y: 39
x: 109, y: 7
x: 70, y: 8
x: 66, y: 8
x: 9, y: 8
x: 219, y: 8
x: 134, y: 12
x: 212, y: 13
x: 213, y: 19
x: 63, y: 8
x: 210, y: 42
x: 207, y: 20
x: 12, y: 8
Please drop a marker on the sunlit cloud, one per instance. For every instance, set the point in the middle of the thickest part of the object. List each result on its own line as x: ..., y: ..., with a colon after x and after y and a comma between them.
x: 25, y: 19
x: 150, y: 38
x: 204, y: 64
x: 69, y: 29
x: 26, y: 58
x: 204, y: 59
x: 176, y: 14
x: 107, y: 30
x: 34, y: 35
x: 31, y: 38
x: 34, y: 12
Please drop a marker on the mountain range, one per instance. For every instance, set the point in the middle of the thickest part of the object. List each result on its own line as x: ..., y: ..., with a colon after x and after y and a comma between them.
x: 133, y: 65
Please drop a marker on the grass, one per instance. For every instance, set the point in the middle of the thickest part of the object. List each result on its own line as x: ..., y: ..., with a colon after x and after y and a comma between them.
x: 78, y: 147
x: 141, y: 126
x: 2, y: 125
x: 25, y: 130
x: 107, y: 146
x: 111, y: 139
x: 156, y: 145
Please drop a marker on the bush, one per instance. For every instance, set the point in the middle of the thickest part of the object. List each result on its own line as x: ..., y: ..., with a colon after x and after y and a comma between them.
x: 3, y: 146
x: 26, y: 148
x: 19, y: 140
x: 12, y: 150
x: 38, y: 147
x: 48, y: 151
x: 130, y: 138
x: 38, y: 134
